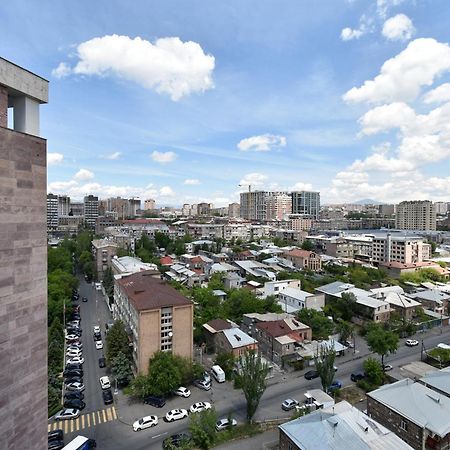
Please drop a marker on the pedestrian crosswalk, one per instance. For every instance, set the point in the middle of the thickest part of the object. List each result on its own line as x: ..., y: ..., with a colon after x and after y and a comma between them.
x: 85, y: 420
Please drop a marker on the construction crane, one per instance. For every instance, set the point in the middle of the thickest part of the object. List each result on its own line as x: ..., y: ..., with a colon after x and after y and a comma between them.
x: 248, y: 198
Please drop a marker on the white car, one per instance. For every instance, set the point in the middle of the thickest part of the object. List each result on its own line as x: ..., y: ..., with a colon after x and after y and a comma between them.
x: 71, y: 352
x: 176, y: 414
x: 145, y: 422
x: 200, y: 406
x: 68, y: 413
x: 411, y: 343
x: 72, y: 337
x: 289, y: 404
x: 104, y: 383
x: 387, y: 367
x: 75, y: 386
x: 74, y: 347
x: 98, y: 345
x: 96, y: 329
x: 224, y: 423
x: 75, y: 360
x: 182, y: 392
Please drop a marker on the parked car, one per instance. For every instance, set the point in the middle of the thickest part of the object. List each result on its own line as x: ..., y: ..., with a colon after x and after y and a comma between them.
x: 97, y: 336
x: 199, y: 406
x: 96, y: 329
x: 176, y: 414
x: 411, y: 342
x: 71, y: 352
x: 311, y: 374
x: 69, y: 395
x: 176, y: 440
x: 68, y: 413
x: 74, y: 367
x: 182, y: 392
x: 207, y: 377
x: 74, y: 403
x: 73, y: 373
x: 387, y: 367
x: 223, y: 424
x: 55, y: 444
x: 105, y: 383
x: 203, y: 384
x: 84, y: 299
x: 75, y: 360
x: 107, y: 397
x: 75, y: 386
x: 72, y: 337
x: 70, y: 380
x: 98, y: 345
x: 155, y: 401
x: 335, y: 385
x: 57, y: 435
x: 289, y: 404
x: 359, y: 375
x: 145, y: 422
x: 77, y: 345
x: 101, y: 362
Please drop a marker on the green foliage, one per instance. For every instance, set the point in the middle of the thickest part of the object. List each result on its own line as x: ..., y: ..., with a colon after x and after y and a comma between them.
x: 202, y: 428
x: 164, y: 375
x: 421, y: 276
x: 342, y: 308
x: 442, y: 355
x: 108, y: 282
x: 140, y: 386
x: 216, y: 281
x: 381, y: 341
x: 321, y: 326
x: 121, y: 368
x: 324, y: 362
x: 252, y: 378
x: 345, y: 330
x: 162, y: 240
x: 117, y: 341
x: 307, y: 245
x: 374, y: 371
x: 226, y: 362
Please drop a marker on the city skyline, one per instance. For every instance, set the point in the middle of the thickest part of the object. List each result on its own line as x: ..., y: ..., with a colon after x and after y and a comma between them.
x: 347, y: 98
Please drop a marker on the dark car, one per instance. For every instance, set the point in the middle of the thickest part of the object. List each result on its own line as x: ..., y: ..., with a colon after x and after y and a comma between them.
x: 69, y: 373
x: 56, y: 444
x: 311, y: 374
x: 74, y: 403
x: 101, y: 362
x: 73, y: 395
x: 334, y: 386
x: 97, y: 336
x: 356, y: 376
x: 107, y: 397
x: 84, y: 299
x: 154, y: 400
x: 74, y: 330
x: 75, y: 316
x: 74, y: 367
x: 69, y: 380
x: 57, y: 434
x: 176, y: 440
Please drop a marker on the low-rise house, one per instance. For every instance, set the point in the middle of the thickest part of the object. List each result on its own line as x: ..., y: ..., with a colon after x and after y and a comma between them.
x: 255, y: 269
x: 211, y: 328
x: 126, y: 265
x: 293, y: 300
x: 222, y: 267
x: 182, y: 274
x: 438, y: 380
x: 403, y: 304
x: 432, y: 299
x: 235, y: 341
x: 233, y: 281
x: 338, y: 427
x: 396, y: 269
x: 304, y: 259
x: 277, y: 286
x: 197, y: 263
x: 417, y: 414
x: 250, y: 320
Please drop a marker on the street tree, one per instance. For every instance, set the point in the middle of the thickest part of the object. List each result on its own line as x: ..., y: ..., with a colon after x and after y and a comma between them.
x: 324, y: 361
x: 252, y: 379
x: 382, y: 341
x: 373, y: 371
x: 121, y: 368
x: 117, y: 341
x: 226, y: 361
x: 202, y: 428
x: 345, y: 330
x: 307, y: 245
x: 164, y: 373
x: 108, y: 282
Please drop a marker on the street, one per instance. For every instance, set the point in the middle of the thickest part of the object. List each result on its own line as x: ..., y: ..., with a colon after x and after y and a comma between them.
x: 111, y: 427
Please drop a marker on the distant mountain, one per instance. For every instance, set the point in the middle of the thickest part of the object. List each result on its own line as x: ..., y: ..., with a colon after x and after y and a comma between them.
x: 368, y: 201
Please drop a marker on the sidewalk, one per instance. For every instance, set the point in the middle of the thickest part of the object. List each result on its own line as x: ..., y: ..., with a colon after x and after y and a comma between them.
x: 264, y: 441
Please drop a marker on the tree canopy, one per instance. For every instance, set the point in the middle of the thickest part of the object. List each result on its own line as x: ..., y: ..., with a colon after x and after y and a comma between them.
x: 324, y: 362
x: 381, y: 341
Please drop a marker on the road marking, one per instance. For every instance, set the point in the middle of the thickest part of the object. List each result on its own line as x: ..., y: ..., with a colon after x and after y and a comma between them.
x: 82, y: 421
x: 99, y: 417
x: 114, y: 413
x: 104, y: 415
x: 88, y: 420
x: 108, y: 413
x: 93, y: 418
x: 159, y: 435
x: 49, y: 428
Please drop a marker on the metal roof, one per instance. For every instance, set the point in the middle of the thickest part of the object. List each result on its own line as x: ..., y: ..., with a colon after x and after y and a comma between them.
x: 438, y: 380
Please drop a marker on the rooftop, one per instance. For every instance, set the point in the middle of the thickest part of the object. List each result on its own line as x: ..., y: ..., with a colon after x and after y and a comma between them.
x: 216, y: 325
x: 439, y: 380
x: 237, y: 338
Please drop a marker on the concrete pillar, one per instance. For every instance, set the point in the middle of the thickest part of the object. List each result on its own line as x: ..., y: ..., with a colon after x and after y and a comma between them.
x: 3, y: 107
x: 26, y: 115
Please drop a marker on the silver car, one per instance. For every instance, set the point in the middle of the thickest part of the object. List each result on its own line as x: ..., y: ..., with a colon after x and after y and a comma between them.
x: 68, y: 413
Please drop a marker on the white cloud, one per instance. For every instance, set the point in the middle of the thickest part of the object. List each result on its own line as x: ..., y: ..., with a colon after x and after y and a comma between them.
x: 61, y: 71
x: 438, y: 95
x: 168, y: 65
x: 347, y: 34
x: 262, y: 143
x: 301, y: 187
x: 254, y: 179
x: 192, y: 181
x: 384, y: 5
x: 402, y: 77
x: 398, y: 28
x: 54, y: 159
x: 113, y: 156
x: 163, y: 157
x: 61, y: 186
x: 166, y: 191
x: 83, y: 175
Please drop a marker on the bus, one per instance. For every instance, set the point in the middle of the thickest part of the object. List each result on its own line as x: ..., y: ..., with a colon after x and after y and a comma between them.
x: 80, y: 443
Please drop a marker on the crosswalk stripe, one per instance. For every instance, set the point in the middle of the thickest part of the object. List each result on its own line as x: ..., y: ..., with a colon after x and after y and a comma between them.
x: 108, y: 413
x: 71, y: 426
x: 77, y: 423
x: 93, y: 418
x: 99, y: 417
x: 82, y: 421
x: 66, y: 427
x: 104, y: 415
x: 114, y: 413
x: 88, y: 420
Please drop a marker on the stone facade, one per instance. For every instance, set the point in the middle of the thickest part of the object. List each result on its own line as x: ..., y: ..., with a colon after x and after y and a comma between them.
x: 23, y: 290
x: 3, y: 107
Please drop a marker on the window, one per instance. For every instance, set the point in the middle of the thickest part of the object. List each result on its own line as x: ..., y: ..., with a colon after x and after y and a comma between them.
x: 404, y: 425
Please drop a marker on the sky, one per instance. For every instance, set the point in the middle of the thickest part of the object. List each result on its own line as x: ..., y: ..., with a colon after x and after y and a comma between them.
x: 182, y: 101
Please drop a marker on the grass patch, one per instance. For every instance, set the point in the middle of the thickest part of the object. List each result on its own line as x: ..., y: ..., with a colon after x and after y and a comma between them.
x: 353, y: 394
x: 238, y: 432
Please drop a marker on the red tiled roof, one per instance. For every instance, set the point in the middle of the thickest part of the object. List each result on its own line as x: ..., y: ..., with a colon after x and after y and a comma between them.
x: 147, y: 291
x: 219, y: 324
x: 275, y: 328
x: 299, y: 253
x: 166, y: 261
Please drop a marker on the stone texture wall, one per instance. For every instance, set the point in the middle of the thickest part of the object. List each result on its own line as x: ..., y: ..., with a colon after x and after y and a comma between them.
x: 3, y: 107
x: 23, y: 291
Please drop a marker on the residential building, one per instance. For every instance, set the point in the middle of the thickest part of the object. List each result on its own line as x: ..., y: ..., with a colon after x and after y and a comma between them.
x: 416, y: 215
x: 278, y: 286
x: 397, y: 269
x: 278, y: 206
x: 386, y: 210
x: 433, y: 299
x: 127, y: 265
x: 415, y: 413
x: 90, y: 210
x: 304, y: 259
x: 52, y: 211
x: 23, y: 259
x: 233, y: 281
x: 254, y: 205
x: 438, y: 380
x: 63, y: 205
x: 149, y: 204
x: 204, y: 209
x: 299, y: 222
x: 76, y: 209
x: 242, y: 231
x: 306, y: 203
x: 104, y: 251
x: 234, y: 210
x: 293, y: 300
x: 398, y: 301
x: 441, y: 208
x: 338, y: 427
x: 156, y: 315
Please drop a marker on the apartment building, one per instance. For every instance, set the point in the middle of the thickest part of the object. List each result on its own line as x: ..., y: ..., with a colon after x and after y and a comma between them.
x: 63, y: 205
x: 279, y: 206
x: 90, y: 210
x: 304, y: 259
x: 104, y: 251
x: 156, y: 315
x: 52, y: 211
x: 76, y: 209
x: 416, y: 215
x: 23, y: 285
x: 292, y: 300
x: 401, y: 249
x: 149, y: 204
x: 306, y: 203
x: 242, y: 231
x: 254, y: 205
x: 234, y: 210
x: 298, y: 222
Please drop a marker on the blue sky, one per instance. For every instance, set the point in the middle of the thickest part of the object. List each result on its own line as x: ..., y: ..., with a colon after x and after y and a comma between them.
x: 182, y: 101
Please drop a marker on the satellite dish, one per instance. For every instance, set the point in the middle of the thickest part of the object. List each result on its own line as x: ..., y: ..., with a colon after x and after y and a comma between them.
x: 170, y: 334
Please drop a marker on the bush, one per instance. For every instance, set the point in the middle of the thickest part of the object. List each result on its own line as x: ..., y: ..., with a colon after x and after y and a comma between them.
x: 366, y: 385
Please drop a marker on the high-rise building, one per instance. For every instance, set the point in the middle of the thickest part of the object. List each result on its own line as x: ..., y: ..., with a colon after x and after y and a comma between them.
x: 441, y: 208
x: 234, y: 210
x: 279, y: 206
x: 416, y: 215
x: 76, y: 209
x: 63, y: 205
x: 254, y: 205
x: 204, y: 209
x: 306, y: 203
x: 23, y: 259
x: 149, y: 204
x: 186, y: 209
x: 134, y: 204
x: 52, y: 211
x: 90, y: 210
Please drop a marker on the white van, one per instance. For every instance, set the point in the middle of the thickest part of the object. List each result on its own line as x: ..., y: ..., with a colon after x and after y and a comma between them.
x: 218, y: 374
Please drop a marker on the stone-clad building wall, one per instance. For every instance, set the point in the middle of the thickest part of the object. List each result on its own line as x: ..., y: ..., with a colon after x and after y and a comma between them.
x: 23, y: 290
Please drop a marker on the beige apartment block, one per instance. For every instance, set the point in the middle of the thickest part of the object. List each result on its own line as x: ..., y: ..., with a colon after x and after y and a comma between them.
x: 416, y: 215
x: 156, y: 315
x: 401, y: 249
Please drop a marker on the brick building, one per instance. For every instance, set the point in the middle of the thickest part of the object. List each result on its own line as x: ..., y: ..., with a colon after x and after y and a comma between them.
x: 304, y: 259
